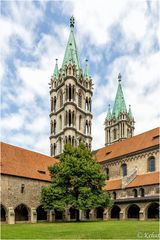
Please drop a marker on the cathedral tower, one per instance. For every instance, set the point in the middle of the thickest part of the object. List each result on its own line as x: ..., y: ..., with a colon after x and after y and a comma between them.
x: 71, y: 93
x: 119, y: 123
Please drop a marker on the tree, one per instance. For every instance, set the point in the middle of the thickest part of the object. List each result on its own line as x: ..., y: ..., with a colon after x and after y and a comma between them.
x: 77, y: 182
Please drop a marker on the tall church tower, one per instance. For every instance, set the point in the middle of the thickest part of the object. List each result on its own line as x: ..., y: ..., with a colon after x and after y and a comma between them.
x: 71, y: 93
x: 119, y: 123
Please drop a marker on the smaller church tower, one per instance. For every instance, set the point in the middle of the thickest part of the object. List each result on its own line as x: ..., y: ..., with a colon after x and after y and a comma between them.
x: 119, y: 123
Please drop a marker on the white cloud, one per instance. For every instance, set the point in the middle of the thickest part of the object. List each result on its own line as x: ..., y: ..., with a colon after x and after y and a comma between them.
x: 132, y: 53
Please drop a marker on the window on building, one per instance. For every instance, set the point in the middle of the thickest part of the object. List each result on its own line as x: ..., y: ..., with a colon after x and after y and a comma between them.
x: 52, y: 102
x: 60, y: 100
x: 114, y: 195
x: 70, y: 92
x: 22, y: 188
x: 141, y: 192
x: 114, y: 134
x: 80, y: 120
x: 60, y: 122
x: 80, y: 100
x: 124, y: 169
x: 151, y: 164
x: 135, y: 192
x: 54, y: 127
x: 54, y: 105
x: 107, y: 173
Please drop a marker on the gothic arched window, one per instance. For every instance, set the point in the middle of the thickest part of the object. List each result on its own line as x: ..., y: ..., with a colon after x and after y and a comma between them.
x: 80, y: 100
x: 60, y: 100
x: 151, y: 164
x: 54, y: 104
x: 114, y: 134
x: 60, y: 122
x: 124, y: 169
x: 80, y: 120
x: 54, y: 127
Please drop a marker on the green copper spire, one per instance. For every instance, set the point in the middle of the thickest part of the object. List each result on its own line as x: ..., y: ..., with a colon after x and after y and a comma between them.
x: 109, y: 115
x: 119, y: 104
x: 130, y: 112
x: 86, y: 70
x: 71, y: 53
x: 55, y: 74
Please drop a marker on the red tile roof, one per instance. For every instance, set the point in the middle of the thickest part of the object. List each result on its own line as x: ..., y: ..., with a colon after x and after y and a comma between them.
x: 25, y: 163
x: 139, y: 142
x: 145, y: 179
x: 140, y: 180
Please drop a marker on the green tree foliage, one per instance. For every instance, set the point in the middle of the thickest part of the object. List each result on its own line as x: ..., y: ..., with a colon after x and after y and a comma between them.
x: 77, y: 181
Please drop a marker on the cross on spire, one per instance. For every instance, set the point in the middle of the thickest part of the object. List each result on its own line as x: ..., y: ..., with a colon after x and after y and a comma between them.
x: 119, y: 77
x: 72, y: 21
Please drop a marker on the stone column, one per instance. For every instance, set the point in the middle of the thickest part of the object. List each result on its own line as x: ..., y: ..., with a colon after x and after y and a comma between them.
x: 33, y: 215
x: 66, y: 215
x: 51, y: 216
x: 106, y: 214
x: 122, y: 215
x: 11, y: 215
x: 141, y: 215
x: 92, y: 214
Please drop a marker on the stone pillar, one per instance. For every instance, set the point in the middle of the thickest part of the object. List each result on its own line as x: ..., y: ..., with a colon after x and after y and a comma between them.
x: 106, y: 214
x: 141, y: 215
x: 122, y: 215
x: 92, y: 214
x: 33, y: 215
x: 51, y: 216
x: 66, y: 215
x: 11, y: 215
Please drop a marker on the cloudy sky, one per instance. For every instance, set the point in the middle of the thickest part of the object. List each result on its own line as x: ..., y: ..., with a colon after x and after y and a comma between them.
x: 115, y: 36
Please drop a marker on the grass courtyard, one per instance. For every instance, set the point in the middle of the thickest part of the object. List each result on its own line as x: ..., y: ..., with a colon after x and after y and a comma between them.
x: 83, y: 230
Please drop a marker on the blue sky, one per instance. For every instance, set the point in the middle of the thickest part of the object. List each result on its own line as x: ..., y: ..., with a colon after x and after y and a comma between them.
x: 115, y: 36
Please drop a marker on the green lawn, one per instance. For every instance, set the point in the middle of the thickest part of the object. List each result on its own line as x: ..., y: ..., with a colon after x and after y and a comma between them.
x: 83, y: 230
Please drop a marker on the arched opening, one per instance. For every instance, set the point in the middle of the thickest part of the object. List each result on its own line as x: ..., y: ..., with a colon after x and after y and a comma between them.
x: 54, y: 149
x: 124, y: 169
x: 114, y: 134
x: 99, y: 213
x: 115, y: 212
x: 141, y: 190
x: 54, y: 127
x: 73, y: 213
x: 114, y: 195
x: 54, y: 107
x: 41, y: 214
x: 21, y: 213
x: 133, y: 211
x: 60, y: 145
x: 70, y: 118
x: 153, y: 211
x: 80, y: 99
x: 135, y: 193
x: 86, y: 104
x: 87, y: 212
x: 61, y: 99
x: 151, y: 164
x: 73, y: 118
x: 3, y: 214
x: 70, y: 92
x: 80, y: 120
x: 58, y: 215
x: 52, y: 104
x: 60, y: 122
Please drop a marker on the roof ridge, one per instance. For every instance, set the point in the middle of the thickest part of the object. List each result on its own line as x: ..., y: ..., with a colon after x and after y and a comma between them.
x: 28, y: 150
